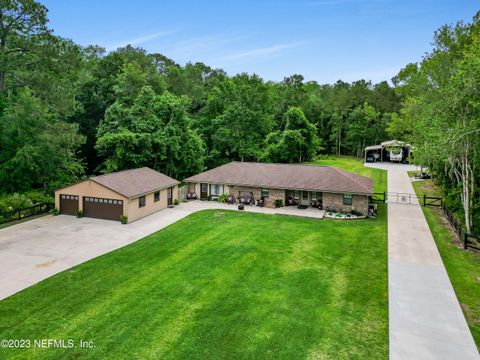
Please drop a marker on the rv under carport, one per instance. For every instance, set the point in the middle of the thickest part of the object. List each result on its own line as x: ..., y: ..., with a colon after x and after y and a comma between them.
x: 390, y: 151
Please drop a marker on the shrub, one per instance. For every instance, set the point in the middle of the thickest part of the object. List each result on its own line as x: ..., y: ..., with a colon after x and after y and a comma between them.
x: 55, y: 211
x: 18, y: 201
x: 223, y: 198
x: 278, y: 203
x: 78, y: 213
x: 123, y: 219
x: 38, y: 196
x: 175, y: 202
x: 356, y: 213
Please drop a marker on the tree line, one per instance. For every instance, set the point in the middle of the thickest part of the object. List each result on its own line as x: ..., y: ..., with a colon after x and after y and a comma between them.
x: 68, y: 111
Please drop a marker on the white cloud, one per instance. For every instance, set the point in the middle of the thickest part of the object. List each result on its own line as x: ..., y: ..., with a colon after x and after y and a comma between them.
x: 260, y: 53
x: 139, y: 40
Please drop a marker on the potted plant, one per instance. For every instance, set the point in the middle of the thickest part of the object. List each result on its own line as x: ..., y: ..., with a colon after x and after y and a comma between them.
x: 278, y: 203
x: 123, y: 219
x: 175, y: 202
x: 223, y: 198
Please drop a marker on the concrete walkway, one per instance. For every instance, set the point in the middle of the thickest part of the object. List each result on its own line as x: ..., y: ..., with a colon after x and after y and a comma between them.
x: 425, y: 318
x: 35, y: 250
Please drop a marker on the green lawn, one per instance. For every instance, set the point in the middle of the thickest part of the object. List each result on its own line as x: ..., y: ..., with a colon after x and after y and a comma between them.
x: 463, y: 267
x: 219, y: 285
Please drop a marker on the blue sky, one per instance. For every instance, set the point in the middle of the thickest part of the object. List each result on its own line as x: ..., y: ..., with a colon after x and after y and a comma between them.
x: 324, y: 40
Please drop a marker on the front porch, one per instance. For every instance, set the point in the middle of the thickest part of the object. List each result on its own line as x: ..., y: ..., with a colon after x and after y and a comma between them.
x: 197, y: 205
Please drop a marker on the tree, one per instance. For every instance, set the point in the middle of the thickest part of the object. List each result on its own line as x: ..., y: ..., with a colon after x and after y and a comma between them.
x: 154, y: 131
x: 22, y: 24
x: 297, y: 143
x: 37, y: 150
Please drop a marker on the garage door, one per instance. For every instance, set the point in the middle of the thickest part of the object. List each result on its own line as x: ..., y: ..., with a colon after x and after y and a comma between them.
x: 68, y: 204
x: 100, y: 208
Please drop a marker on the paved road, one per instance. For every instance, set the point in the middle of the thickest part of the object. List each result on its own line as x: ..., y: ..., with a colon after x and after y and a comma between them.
x: 35, y: 250
x: 425, y: 318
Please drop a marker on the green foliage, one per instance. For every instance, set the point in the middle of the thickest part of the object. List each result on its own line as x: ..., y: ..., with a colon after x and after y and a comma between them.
x: 78, y: 213
x: 154, y: 131
x: 441, y: 114
x: 55, y: 211
x: 124, y: 219
x: 223, y: 198
x: 17, y: 201
x: 278, y: 203
x: 298, y: 142
x: 176, y: 202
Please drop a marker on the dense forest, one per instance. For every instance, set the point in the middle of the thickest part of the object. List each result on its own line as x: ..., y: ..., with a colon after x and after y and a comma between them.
x: 68, y: 111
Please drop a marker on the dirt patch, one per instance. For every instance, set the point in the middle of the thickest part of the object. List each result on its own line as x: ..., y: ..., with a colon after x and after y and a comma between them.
x: 46, y: 264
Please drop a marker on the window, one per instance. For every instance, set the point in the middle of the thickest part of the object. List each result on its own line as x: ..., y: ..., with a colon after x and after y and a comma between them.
x: 296, y: 195
x: 314, y: 196
x: 216, y: 189
x: 305, y: 195
x: 347, y: 199
x: 156, y: 196
x: 265, y: 193
x: 141, y: 201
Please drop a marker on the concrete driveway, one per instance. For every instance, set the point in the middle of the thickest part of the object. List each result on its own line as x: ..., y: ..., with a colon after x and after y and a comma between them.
x: 425, y: 318
x: 35, y: 250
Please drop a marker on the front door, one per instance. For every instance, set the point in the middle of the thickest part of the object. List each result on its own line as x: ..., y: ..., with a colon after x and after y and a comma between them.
x: 203, y: 191
x: 304, y: 200
x: 169, y: 196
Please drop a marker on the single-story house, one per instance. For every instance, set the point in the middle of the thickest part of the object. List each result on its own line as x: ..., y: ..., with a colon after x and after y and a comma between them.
x: 134, y: 193
x: 392, y: 151
x: 324, y: 187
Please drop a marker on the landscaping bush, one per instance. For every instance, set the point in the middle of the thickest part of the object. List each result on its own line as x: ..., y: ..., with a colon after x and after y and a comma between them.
x: 223, y: 198
x: 355, y: 212
x: 175, y: 202
x: 123, y: 219
x: 17, y: 201
x: 38, y: 197
x: 78, y: 213
x: 278, y: 203
x: 55, y: 211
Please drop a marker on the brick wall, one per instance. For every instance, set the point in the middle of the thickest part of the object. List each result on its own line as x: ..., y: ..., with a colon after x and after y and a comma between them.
x: 335, y: 201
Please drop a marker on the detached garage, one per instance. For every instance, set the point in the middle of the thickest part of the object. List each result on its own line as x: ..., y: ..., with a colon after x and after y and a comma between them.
x: 134, y: 193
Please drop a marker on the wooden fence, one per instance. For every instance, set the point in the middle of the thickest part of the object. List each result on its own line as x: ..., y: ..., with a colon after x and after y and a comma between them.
x: 23, y: 213
x: 469, y: 241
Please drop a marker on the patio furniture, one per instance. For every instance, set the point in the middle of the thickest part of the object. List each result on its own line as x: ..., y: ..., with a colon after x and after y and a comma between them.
x: 231, y: 199
x: 246, y: 198
x: 290, y: 201
x: 191, y: 196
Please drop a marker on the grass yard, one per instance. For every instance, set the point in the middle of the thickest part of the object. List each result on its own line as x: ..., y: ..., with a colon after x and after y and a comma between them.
x: 463, y: 267
x: 220, y: 285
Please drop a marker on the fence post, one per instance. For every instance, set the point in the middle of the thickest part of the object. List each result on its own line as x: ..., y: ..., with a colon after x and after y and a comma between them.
x: 465, y: 240
x: 424, y: 199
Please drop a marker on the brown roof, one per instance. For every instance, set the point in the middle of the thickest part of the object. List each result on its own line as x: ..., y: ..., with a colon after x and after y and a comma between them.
x: 135, y: 182
x: 286, y: 176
